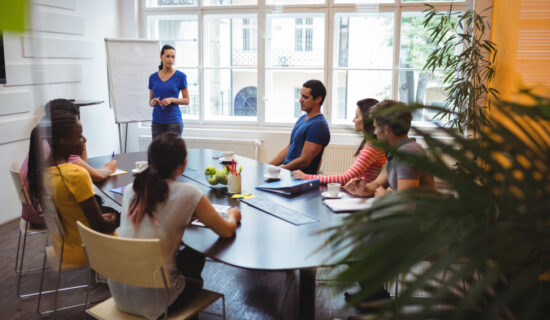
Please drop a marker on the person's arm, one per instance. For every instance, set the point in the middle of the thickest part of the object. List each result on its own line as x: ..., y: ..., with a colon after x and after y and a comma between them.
x: 280, y: 157
x: 183, y: 100
x: 98, y: 221
x: 309, y: 152
x: 366, y: 158
x: 152, y: 100
x: 366, y: 189
x: 206, y: 214
x: 98, y: 174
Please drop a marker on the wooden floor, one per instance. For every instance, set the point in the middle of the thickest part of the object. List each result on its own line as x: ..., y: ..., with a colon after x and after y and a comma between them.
x: 249, y: 294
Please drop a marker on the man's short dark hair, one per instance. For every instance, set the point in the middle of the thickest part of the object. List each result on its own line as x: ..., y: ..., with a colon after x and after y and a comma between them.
x: 317, y: 89
x: 393, y: 114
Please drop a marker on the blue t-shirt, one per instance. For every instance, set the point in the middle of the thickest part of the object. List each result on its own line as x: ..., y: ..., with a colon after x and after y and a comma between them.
x: 313, y: 130
x: 167, y: 89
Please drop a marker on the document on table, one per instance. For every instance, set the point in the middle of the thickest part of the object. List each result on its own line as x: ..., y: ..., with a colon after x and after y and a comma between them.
x: 118, y: 172
x: 348, y: 204
x: 221, y: 209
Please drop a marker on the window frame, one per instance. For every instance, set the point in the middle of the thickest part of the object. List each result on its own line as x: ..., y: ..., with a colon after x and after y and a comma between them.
x: 261, y: 9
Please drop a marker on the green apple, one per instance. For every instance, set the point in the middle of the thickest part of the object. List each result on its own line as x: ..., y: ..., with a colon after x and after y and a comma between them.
x: 222, y: 178
x: 210, y: 170
x: 220, y: 172
x: 213, y: 180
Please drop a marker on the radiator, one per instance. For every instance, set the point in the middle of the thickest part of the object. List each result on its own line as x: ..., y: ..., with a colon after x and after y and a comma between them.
x: 244, y: 147
x: 337, y: 159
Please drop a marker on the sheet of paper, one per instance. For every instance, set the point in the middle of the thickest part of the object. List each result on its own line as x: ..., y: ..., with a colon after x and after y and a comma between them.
x: 221, y: 209
x: 117, y: 172
x: 348, y: 204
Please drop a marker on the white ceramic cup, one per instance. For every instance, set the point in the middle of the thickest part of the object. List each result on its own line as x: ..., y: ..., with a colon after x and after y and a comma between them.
x: 141, y: 165
x: 227, y: 155
x: 273, y: 172
x: 333, y: 189
x: 234, y: 185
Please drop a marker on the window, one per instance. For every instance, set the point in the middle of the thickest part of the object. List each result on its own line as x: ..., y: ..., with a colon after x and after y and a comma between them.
x: 297, y: 105
x: 181, y: 32
x: 289, y: 64
x: 229, y: 66
x: 251, y: 58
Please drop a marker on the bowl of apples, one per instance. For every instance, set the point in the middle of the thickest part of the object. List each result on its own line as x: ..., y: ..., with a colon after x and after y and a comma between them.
x: 216, y: 176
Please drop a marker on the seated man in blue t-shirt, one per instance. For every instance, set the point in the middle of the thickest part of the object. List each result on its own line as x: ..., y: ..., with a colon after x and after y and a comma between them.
x: 310, y: 134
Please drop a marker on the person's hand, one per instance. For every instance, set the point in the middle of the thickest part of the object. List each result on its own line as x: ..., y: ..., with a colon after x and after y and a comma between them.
x: 234, y: 214
x: 154, y: 102
x: 111, y: 165
x: 381, y: 191
x: 354, y: 186
x: 166, y: 101
x: 298, y: 174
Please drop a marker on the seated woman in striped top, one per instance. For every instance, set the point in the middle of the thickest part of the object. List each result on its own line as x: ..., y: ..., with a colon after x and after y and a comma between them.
x: 370, y: 160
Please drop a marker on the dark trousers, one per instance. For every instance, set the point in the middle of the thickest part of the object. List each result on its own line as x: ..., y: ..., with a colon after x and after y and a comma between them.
x: 158, y: 128
x: 190, y: 263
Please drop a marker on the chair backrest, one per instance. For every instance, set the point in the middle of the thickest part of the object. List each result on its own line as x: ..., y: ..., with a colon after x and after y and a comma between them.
x: 18, y: 183
x: 55, y: 231
x: 135, y: 262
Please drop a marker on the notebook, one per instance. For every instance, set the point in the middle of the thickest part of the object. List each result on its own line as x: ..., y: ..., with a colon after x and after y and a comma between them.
x: 348, y: 204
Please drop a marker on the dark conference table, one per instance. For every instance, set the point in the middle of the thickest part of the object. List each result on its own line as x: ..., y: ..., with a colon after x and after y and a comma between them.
x: 262, y: 241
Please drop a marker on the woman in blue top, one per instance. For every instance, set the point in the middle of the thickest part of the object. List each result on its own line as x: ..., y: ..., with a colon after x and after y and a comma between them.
x: 164, y: 88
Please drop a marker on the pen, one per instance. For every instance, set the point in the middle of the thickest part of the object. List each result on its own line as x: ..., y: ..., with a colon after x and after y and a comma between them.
x: 113, y: 156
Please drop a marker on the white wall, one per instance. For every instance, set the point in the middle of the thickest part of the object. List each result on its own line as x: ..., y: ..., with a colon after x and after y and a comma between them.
x: 41, y: 72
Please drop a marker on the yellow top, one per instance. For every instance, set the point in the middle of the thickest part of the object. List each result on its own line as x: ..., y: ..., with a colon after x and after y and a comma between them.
x: 69, y: 185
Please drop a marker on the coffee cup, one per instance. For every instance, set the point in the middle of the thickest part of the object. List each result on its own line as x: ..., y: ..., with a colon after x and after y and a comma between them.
x: 333, y: 189
x: 227, y: 155
x: 273, y: 172
x: 141, y: 165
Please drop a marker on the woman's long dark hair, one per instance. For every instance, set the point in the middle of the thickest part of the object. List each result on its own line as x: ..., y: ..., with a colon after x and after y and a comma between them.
x: 368, y: 124
x: 164, y: 155
x: 60, y: 126
x: 164, y: 48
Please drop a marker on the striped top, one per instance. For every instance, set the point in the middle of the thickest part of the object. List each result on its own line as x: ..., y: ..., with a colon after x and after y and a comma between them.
x: 368, y: 164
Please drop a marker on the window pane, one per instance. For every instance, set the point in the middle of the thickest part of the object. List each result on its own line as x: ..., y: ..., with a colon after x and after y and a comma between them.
x: 168, y: 3
x: 295, y: 42
x: 281, y: 86
x: 181, y: 32
x: 433, y: 1
x: 416, y: 86
x: 415, y: 45
x: 228, y: 2
x: 230, y: 41
x: 364, y: 2
x: 283, y: 2
x: 351, y: 86
x: 363, y: 40
x: 191, y: 111
x: 230, y: 94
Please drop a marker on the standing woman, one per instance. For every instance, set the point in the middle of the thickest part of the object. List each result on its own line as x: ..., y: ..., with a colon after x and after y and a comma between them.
x: 164, y: 89
x: 370, y: 159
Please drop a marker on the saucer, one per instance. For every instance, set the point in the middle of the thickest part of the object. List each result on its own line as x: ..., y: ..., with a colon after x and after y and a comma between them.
x: 136, y: 170
x: 268, y: 177
x: 327, y: 196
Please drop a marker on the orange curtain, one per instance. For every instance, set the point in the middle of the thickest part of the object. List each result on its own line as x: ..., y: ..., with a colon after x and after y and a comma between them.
x: 521, y: 30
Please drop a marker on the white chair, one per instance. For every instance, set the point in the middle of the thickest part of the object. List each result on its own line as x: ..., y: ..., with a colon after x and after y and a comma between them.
x: 57, y: 239
x: 25, y: 229
x: 135, y: 262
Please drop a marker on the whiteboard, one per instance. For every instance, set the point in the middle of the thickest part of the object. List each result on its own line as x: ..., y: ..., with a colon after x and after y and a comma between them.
x: 130, y: 62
